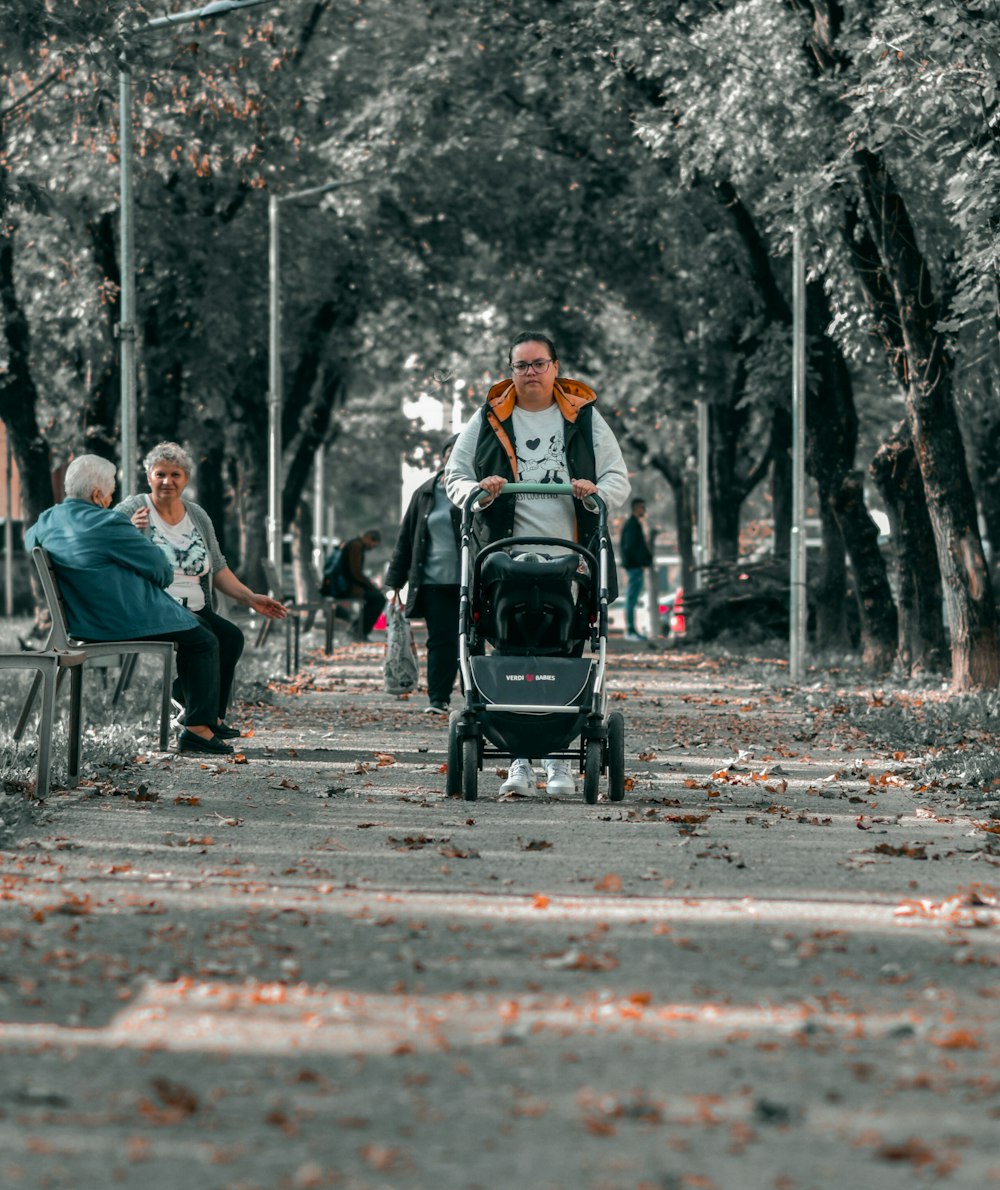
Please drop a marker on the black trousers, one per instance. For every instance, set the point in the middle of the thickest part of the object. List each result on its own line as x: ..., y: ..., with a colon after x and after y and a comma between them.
x: 197, y: 672
x: 440, y: 607
x: 230, y: 641
x: 371, y: 609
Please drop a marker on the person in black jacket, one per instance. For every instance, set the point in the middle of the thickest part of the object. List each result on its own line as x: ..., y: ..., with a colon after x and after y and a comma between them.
x: 426, y: 560
x: 635, y: 559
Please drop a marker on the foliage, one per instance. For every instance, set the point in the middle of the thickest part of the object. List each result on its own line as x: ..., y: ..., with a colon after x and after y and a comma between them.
x: 563, y: 164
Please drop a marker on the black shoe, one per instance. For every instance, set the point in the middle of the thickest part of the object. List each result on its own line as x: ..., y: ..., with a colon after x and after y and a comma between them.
x: 224, y: 732
x: 187, y: 741
x: 436, y: 708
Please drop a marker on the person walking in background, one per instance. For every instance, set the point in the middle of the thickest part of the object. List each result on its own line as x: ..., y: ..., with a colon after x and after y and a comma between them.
x: 112, y: 580
x: 359, y: 585
x: 636, y: 558
x: 184, y: 532
x: 538, y: 427
x: 426, y: 560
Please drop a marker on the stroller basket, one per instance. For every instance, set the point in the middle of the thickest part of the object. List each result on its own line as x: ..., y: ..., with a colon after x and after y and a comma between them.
x: 545, y: 701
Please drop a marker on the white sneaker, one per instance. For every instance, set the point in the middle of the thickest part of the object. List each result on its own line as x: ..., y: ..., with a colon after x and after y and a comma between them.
x: 559, y: 777
x: 520, y: 778
x: 634, y: 636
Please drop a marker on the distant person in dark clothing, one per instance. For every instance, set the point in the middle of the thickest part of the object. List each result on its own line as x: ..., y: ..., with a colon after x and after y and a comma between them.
x: 361, y: 586
x: 426, y: 561
x: 636, y: 557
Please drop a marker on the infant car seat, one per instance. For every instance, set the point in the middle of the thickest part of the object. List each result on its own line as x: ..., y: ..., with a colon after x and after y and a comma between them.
x: 531, y: 604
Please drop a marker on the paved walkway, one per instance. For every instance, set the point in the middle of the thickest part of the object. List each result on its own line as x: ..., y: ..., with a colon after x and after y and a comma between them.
x: 308, y: 968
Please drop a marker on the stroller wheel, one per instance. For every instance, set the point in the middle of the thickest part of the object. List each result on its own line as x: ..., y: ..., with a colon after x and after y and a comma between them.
x: 453, y: 777
x: 616, y: 756
x: 592, y: 771
x: 470, y: 768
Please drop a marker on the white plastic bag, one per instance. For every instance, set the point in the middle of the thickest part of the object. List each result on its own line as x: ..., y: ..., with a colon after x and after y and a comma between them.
x: 400, y: 667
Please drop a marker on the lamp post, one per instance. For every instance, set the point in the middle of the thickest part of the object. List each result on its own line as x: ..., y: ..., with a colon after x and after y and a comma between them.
x: 126, y: 330
x: 703, y: 547
x: 275, y: 474
x: 797, y: 572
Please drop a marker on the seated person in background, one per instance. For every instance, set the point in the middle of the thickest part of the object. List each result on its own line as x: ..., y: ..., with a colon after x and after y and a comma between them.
x: 112, y: 582
x: 359, y: 584
x: 183, y: 531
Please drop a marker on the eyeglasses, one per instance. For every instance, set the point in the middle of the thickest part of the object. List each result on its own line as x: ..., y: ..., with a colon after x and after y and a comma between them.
x: 535, y: 365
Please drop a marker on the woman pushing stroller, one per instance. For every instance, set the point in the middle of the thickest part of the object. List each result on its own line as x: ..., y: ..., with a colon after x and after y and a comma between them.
x: 540, y: 428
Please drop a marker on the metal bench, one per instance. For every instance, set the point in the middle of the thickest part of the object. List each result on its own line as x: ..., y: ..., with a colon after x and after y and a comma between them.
x: 48, y: 668
x: 60, y: 642
x: 307, y: 610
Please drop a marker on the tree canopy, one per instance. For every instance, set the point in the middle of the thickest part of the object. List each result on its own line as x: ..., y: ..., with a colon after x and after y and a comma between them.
x: 625, y: 176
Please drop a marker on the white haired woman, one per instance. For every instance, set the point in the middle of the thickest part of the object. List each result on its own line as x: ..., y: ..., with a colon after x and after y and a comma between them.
x: 184, y: 532
x: 110, y: 576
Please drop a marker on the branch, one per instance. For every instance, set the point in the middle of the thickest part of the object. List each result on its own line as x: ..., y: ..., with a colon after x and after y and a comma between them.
x: 46, y: 82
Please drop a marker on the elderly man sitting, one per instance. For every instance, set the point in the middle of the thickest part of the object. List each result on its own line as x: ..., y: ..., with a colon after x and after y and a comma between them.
x: 111, y: 577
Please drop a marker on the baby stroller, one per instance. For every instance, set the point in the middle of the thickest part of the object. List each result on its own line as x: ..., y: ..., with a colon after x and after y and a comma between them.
x: 535, y: 694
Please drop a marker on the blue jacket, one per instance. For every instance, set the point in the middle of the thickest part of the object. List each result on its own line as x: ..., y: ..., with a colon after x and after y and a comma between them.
x: 111, y: 577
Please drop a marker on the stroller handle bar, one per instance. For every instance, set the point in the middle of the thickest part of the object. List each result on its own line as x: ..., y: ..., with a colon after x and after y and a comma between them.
x: 593, y: 502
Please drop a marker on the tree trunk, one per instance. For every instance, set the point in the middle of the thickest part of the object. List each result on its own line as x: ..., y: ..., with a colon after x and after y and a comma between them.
x: 251, y: 495
x: 831, y: 445
x: 210, y: 481
x: 781, y: 483
x: 99, y: 414
x: 827, y: 589
x: 19, y: 397
x: 249, y: 416
x: 684, y: 515
x: 937, y: 440
x: 922, y: 644
x: 982, y: 431
x: 302, y: 570
x: 876, y: 608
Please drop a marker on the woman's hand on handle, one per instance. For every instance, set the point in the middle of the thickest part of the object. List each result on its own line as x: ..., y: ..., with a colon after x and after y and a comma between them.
x: 583, y: 487
x: 493, y: 485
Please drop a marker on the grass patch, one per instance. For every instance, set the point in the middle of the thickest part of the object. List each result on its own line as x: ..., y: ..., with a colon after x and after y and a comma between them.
x: 950, y: 740
x: 112, y: 736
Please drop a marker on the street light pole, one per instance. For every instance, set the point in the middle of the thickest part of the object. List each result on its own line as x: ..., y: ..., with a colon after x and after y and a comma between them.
x: 275, y: 471
x: 704, y: 543
x: 126, y: 325
x: 797, y: 574
x: 274, y: 395
x: 126, y: 328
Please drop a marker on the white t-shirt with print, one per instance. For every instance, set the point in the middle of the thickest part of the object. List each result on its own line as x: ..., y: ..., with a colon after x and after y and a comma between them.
x: 541, y: 458
x: 188, y: 555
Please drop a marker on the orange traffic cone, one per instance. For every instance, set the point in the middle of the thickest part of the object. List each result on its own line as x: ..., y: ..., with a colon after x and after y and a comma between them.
x: 678, y: 621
